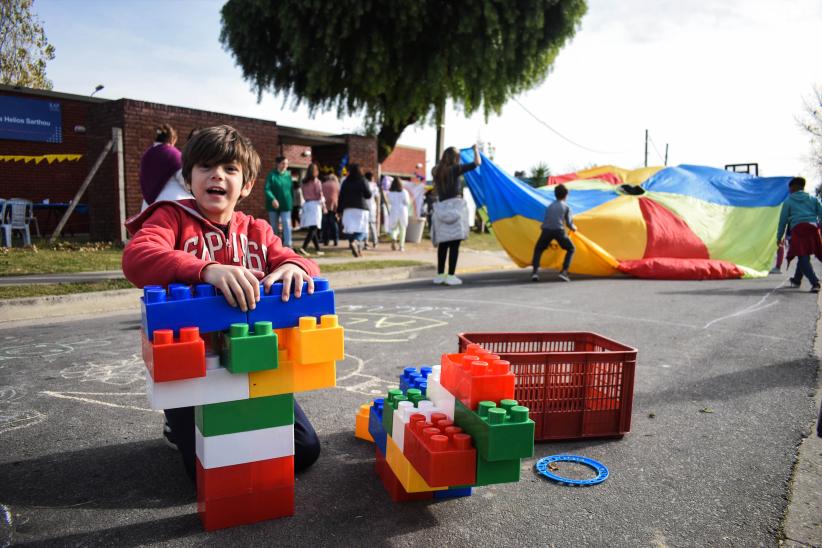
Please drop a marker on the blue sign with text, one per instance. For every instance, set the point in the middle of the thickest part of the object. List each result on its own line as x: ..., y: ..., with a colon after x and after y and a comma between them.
x: 30, y: 120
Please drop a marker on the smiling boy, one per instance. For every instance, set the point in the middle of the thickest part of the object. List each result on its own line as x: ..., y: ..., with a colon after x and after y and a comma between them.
x: 205, y: 240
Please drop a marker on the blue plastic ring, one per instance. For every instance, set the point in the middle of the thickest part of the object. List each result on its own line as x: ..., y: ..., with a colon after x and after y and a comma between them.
x: 601, y: 470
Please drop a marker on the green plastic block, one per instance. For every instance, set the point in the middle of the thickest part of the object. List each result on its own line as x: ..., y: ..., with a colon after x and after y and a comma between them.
x: 229, y: 417
x: 394, y: 397
x: 245, y: 352
x: 500, y: 471
x: 500, y: 433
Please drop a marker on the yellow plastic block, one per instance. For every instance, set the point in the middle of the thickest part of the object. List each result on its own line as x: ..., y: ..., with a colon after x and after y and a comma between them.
x: 289, y: 378
x: 408, y: 476
x: 284, y: 337
x: 317, y: 344
x: 361, y: 425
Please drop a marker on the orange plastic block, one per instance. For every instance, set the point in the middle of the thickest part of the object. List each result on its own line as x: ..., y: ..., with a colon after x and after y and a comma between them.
x: 168, y: 359
x: 392, y: 484
x: 361, y: 425
x: 289, y: 378
x: 311, y: 343
x: 441, y: 452
x: 472, y: 379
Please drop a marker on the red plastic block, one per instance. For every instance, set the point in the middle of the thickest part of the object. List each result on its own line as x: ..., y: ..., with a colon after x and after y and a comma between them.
x: 441, y: 452
x: 248, y: 508
x: 168, y: 359
x: 392, y: 483
x: 473, y: 378
x: 242, y: 479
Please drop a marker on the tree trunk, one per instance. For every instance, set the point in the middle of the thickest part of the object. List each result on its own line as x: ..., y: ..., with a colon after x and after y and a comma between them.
x: 389, y: 135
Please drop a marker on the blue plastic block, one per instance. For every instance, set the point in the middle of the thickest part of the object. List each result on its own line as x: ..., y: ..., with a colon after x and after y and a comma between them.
x: 375, y: 427
x: 177, y: 308
x: 453, y: 492
x: 425, y: 371
x: 271, y: 307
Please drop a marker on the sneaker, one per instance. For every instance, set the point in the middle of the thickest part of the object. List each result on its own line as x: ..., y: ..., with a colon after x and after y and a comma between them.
x: 439, y: 279
x: 794, y: 283
x: 564, y: 276
x: 319, y: 253
x: 815, y: 289
x: 167, y: 436
x: 303, y: 252
x: 775, y: 270
x: 534, y: 277
x: 452, y: 280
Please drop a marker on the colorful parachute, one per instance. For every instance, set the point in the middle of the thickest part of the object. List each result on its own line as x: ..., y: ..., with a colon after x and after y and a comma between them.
x: 685, y: 222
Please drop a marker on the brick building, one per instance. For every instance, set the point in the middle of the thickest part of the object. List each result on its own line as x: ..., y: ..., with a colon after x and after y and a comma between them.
x: 86, y: 127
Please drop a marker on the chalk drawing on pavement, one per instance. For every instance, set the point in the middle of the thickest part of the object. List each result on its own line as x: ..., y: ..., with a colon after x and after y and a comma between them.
x: 362, y: 383
x: 12, y: 415
x: 99, y: 398
x: 48, y: 351
x: 118, y: 373
x: 379, y: 324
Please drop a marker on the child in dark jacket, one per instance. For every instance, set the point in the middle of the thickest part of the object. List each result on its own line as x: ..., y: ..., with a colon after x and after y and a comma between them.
x: 205, y: 240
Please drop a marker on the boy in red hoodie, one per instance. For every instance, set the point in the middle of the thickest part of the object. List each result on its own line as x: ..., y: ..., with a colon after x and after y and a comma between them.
x: 205, y: 240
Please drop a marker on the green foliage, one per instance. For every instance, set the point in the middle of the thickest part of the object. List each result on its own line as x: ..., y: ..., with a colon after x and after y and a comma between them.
x: 539, y: 175
x: 397, y: 61
x: 24, y: 48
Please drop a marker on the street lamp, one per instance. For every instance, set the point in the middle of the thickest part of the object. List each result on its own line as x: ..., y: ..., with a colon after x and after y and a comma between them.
x: 96, y: 89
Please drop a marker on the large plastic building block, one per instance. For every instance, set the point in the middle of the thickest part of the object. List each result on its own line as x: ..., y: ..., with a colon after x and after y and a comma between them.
x: 405, y: 409
x: 245, y: 352
x: 453, y: 493
x: 281, y: 314
x: 172, y: 360
x: 409, y: 478
x: 230, y: 417
x: 230, y: 449
x: 439, y: 451
x: 361, y: 423
x: 311, y: 343
x: 500, y: 433
x: 375, y: 427
x: 290, y: 377
x: 219, y: 385
x: 392, y: 484
x: 241, y: 479
x: 395, y: 395
x: 473, y: 380
x: 248, y: 508
x: 442, y: 398
x: 412, y: 378
x: 500, y: 471
x: 204, y: 309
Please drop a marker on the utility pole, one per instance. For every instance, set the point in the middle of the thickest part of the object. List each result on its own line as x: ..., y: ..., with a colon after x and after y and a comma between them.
x: 646, y: 148
x: 440, y: 130
x: 666, y: 154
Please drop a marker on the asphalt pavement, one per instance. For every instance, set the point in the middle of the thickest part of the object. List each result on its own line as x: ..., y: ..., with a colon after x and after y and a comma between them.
x: 724, y: 398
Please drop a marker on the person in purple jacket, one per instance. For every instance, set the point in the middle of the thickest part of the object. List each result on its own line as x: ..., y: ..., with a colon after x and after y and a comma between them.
x: 161, y: 165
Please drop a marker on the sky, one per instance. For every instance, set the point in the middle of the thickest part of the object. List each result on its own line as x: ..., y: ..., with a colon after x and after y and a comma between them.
x: 719, y: 82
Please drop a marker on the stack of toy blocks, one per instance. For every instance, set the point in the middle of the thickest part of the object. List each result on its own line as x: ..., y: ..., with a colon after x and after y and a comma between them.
x: 449, y: 428
x: 240, y: 371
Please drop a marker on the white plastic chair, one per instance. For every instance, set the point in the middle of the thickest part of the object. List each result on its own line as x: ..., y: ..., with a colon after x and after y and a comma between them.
x: 16, y: 216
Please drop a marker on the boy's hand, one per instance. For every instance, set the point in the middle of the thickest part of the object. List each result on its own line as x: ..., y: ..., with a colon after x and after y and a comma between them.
x: 239, y: 285
x: 289, y: 273
x: 275, y: 203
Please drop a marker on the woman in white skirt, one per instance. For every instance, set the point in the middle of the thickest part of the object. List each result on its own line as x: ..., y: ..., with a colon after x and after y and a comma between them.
x: 353, y: 203
x: 398, y: 202
x: 313, y: 208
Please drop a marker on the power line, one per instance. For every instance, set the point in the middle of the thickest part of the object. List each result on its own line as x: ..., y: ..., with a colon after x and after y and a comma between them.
x: 534, y: 116
x: 653, y: 144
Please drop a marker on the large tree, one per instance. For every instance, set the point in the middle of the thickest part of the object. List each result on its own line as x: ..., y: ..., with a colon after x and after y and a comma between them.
x: 24, y: 48
x: 811, y: 121
x: 397, y: 61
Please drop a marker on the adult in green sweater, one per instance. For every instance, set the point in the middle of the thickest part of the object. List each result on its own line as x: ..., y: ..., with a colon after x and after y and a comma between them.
x: 801, y: 214
x: 278, y: 199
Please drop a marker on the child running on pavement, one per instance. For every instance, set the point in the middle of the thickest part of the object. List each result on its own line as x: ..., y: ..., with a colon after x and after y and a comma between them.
x: 204, y: 240
x: 553, y: 228
x: 801, y: 214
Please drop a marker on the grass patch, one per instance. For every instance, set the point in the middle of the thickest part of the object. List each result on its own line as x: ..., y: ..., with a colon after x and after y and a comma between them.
x: 42, y: 290
x: 44, y: 258
x: 366, y: 265
x: 482, y: 242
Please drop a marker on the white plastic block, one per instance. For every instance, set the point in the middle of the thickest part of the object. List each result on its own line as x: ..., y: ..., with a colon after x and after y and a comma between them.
x: 442, y: 398
x: 242, y: 447
x: 401, y: 416
x: 219, y: 385
x: 212, y: 361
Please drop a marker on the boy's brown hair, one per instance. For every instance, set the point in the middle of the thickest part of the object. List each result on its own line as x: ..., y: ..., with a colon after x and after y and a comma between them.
x: 797, y: 183
x: 220, y: 145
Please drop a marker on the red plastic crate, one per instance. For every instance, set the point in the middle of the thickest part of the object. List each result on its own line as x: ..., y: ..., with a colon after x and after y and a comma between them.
x: 575, y: 384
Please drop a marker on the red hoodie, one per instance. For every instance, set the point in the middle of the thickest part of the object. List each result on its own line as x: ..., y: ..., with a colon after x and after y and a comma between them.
x: 172, y: 243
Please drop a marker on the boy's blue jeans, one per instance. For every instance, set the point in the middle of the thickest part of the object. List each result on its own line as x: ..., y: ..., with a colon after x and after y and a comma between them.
x: 804, y: 268
x: 284, y: 217
x: 181, y: 421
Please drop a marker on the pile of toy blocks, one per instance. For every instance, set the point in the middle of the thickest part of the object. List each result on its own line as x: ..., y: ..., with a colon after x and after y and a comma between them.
x: 240, y: 371
x: 449, y: 428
